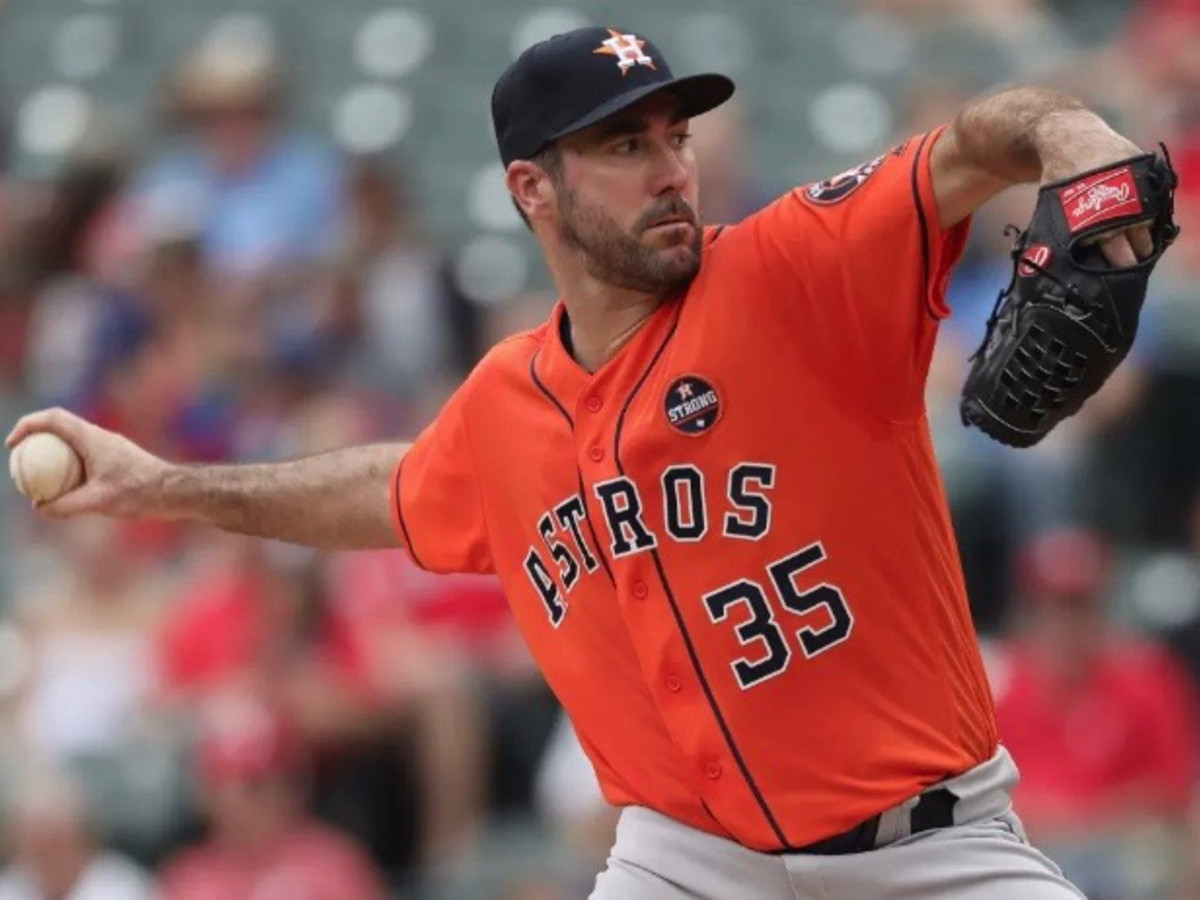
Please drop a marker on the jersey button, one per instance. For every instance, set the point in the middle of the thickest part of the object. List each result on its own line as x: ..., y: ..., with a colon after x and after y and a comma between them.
x: 674, y: 685
x: 596, y: 453
x: 594, y: 404
x: 713, y: 770
x: 640, y: 590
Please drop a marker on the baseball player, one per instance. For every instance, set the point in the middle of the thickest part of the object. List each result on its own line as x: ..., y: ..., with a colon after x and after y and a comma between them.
x: 708, y: 486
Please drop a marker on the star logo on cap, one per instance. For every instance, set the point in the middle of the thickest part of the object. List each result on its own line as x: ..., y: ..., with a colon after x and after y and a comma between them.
x: 627, y: 48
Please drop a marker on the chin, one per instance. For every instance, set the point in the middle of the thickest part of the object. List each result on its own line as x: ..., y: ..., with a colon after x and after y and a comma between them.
x: 680, y: 264
x: 681, y: 256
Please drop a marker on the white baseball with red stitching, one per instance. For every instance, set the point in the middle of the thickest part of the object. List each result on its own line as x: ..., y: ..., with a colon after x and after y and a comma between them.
x: 44, y: 467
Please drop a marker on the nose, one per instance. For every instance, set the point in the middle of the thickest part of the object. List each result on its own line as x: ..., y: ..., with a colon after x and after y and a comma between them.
x: 671, y: 173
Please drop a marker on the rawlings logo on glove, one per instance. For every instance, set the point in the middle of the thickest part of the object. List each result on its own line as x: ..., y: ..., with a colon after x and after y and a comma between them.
x: 1106, y: 196
x: 1068, y: 318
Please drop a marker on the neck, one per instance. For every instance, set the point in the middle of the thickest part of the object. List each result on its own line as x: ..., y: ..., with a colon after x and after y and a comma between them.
x: 61, y: 879
x: 602, y: 327
x: 603, y: 317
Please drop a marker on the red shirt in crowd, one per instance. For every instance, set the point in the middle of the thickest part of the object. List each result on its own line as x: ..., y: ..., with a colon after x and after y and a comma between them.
x: 386, y: 589
x: 1121, y: 739
x: 232, y: 623
x: 310, y: 863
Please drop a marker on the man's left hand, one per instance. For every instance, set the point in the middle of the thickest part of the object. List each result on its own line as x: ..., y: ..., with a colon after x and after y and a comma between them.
x: 1122, y: 247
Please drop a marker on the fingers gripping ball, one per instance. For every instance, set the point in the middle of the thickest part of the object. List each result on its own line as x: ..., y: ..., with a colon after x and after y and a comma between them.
x: 44, y: 467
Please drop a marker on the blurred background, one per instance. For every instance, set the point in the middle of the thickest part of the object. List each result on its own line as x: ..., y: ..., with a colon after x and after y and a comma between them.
x: 251, y: 230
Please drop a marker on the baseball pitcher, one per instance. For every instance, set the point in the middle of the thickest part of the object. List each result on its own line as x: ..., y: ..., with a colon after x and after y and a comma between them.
x: 707, y: 482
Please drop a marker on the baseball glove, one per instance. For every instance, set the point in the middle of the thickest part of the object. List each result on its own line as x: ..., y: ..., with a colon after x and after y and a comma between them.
x: 1067, y: 318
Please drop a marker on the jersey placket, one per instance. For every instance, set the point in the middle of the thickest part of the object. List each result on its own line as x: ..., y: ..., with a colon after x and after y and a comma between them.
x: 669, y: 656
x: 681, y: 684
x: 601, y: 409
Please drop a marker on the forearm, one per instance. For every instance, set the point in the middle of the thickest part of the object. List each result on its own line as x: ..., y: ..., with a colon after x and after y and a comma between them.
x: 333, y: 501
x: 1029, y: 134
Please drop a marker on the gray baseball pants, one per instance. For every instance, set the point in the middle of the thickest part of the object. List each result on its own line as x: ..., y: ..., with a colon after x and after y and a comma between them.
x: 984, y: 855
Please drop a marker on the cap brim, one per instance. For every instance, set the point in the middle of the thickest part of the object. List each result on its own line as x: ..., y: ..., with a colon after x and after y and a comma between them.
x: 698, y: 94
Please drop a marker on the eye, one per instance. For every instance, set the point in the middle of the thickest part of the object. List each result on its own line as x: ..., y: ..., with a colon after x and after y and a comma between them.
x: 679, y: 141
x: 627, y: 147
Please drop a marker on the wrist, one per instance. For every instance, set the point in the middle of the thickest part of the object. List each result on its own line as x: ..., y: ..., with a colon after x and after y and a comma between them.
x: 1070, y: 141
x: 169, y: 491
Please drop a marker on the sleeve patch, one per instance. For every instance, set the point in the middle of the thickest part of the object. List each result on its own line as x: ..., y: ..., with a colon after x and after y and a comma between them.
x: 839, y: 187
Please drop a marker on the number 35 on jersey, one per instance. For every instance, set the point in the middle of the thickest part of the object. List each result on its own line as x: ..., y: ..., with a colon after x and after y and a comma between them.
x: 756, y: 606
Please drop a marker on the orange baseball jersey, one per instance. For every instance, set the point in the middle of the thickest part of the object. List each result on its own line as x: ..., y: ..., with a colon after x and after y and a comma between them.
x: 729, y: 547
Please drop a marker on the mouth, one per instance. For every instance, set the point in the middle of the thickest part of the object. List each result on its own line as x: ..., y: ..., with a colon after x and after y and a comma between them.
x: 671, y: 222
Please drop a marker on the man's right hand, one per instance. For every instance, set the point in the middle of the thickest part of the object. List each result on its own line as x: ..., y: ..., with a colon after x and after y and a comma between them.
x: 121, y: 479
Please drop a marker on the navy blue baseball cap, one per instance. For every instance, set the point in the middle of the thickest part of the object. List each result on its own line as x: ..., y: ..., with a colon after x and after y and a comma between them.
x: 571, y: 81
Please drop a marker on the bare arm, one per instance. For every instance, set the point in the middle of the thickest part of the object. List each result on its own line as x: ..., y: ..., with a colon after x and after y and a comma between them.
x: 334, y: 501
x: 1026, y: 134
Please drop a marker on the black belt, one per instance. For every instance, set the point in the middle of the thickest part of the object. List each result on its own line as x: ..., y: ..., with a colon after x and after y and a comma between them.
x: 934, y: 809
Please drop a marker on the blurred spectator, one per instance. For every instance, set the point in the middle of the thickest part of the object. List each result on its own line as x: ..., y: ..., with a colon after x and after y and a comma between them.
x: 263, y: 197
x: 441, y: 661
x: 167, y: 372
x: 393, y: 312
x: 1103, y: 726
x: 133, y: 339
x: 523, y: 312
x: 369, y: 694
x: 18, y: 280
x: 533, y: 888
x: 89, y: 638
x: 265, y: 201
x: 261, y: 844
x: 444, y: 666
x: 1177, y: 610
x: 54, y: 852
x: 252, y: 616
x: 1156, y: 66
x: 74, y: 305
x: 85, y: 701
x: 569, y: 798
x: 556, y: 856
x: 446, y: 661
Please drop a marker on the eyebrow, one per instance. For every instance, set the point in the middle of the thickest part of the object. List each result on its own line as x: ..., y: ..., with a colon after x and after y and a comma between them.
x: 628, y: 126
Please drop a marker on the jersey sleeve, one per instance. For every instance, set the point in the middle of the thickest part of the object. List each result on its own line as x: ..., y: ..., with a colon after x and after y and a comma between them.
x: 858, y: 266
x: 437, y: 506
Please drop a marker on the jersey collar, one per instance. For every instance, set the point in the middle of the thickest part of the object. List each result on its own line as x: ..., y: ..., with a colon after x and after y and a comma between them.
x: 560, y: 375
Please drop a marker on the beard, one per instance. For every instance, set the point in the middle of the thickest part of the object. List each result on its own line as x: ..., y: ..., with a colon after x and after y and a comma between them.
x: 622, y: 258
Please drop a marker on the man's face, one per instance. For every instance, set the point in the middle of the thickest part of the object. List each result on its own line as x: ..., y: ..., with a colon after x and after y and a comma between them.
x: 235, y: 136
x: 627, y: 198
x: 247, y: 810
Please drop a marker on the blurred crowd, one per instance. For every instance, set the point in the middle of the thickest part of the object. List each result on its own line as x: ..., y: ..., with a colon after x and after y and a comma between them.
x: 191, y: 715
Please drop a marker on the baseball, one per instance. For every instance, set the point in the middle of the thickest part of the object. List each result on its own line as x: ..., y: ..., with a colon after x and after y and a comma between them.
x: 44, y: 467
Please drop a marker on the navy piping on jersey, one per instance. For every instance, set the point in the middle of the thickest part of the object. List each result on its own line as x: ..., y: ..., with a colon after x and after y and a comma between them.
x: 679, y: 623
x: 400, y: 511
x: 545, y: 390
x: 921, y: 219
x: 583, y: 498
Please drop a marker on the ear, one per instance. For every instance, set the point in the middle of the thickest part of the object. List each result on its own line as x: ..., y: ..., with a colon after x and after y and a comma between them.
x: 531, y: 187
